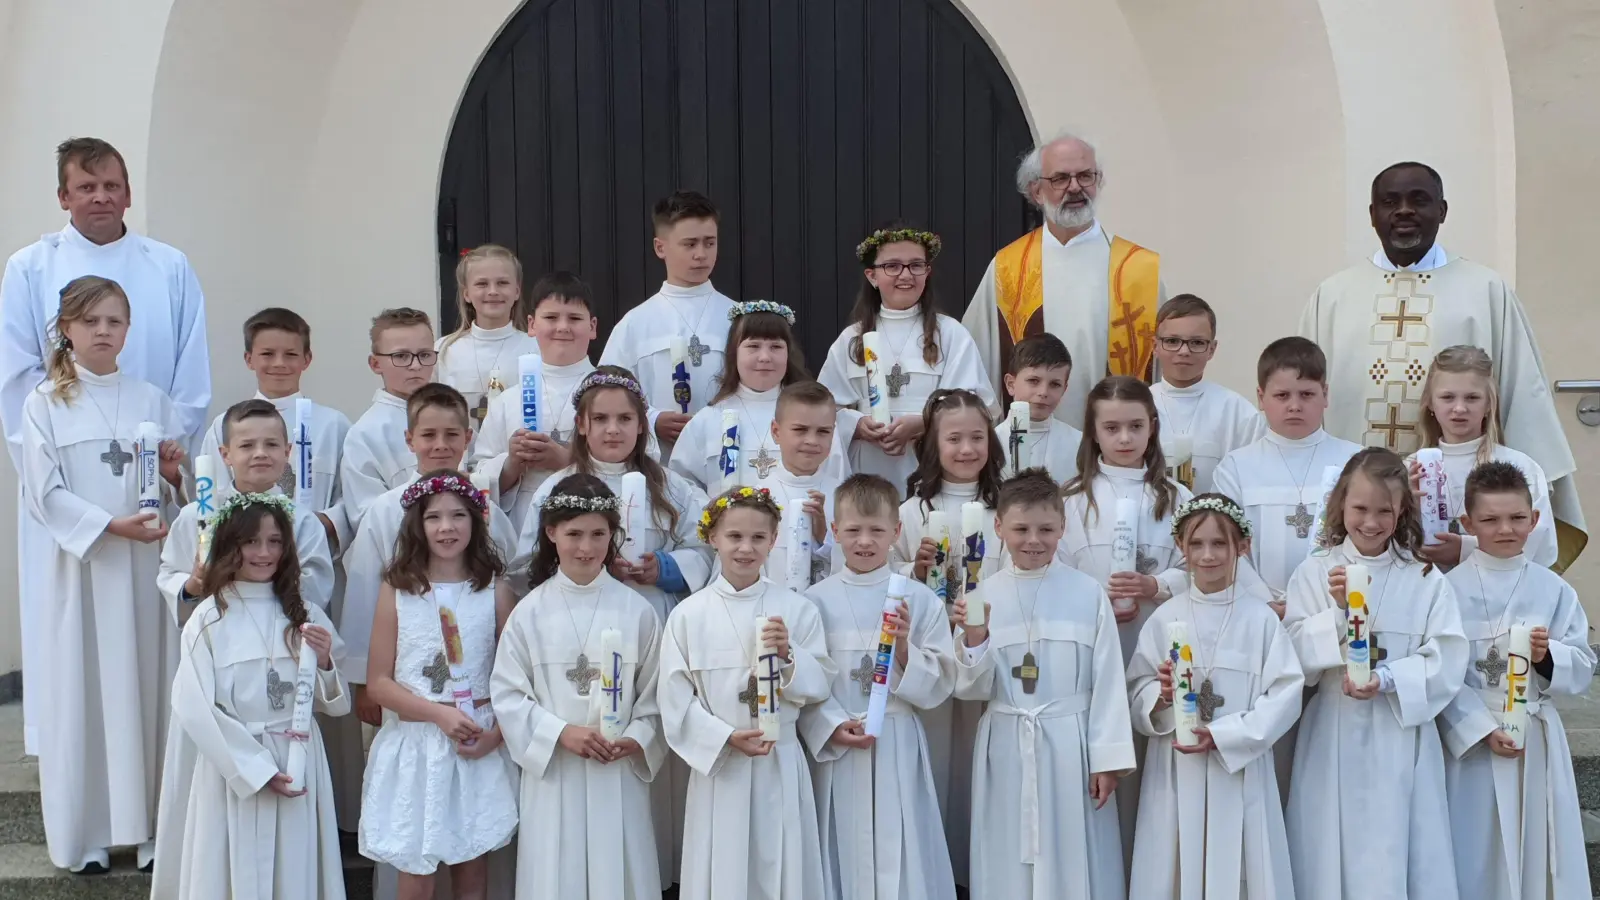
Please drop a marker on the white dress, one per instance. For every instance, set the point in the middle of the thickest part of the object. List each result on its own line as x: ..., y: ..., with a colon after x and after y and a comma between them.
x: 425, y: 805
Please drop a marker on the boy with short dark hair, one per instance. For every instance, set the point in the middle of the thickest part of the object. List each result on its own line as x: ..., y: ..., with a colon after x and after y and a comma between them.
x: 803, y: 426
x: 687, y: 308
x: 1201, y: 421
x: 376, y: 458
x: 1041, y: 367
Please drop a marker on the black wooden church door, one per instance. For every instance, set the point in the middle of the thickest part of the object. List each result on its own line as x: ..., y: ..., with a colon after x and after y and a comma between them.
x: 808, y: 122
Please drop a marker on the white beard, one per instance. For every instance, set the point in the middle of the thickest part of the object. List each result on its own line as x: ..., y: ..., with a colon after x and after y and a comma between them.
x: 1063, y: 216
x: 1410, y: 243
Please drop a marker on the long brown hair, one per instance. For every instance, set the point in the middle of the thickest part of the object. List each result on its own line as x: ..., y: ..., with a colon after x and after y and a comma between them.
x: 928, y: 480
x: 546, y: 561
x: 1463, y: 359
x: 227, y: 559
x: 759, y: 326
x: 655, y: 476
x: 869, y: 302
x: 408, y: 570
x: 78, y: 298
x: 1132, y: 390
x: 1383, y: 466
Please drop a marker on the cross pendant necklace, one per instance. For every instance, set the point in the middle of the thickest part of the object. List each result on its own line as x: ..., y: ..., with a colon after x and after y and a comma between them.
x: 1493, y: 665
x: 1301, y: 519
x: 751, y: 695
x: 763, y: 462
x: 1027, y: 671
x: 696, y: 349
x: 115, y: 457
x: 862, y: 675
x: 582, y: 675
x: 1208, y: 699
x: 277, y: 688
x: 897, y: 379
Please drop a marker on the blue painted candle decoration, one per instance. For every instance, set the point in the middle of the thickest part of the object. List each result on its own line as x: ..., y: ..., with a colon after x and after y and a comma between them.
x: 728, y: 458
x: 149, y: 472
x: 682, y: 393
x: 302, y: 442
x: 530, y: 375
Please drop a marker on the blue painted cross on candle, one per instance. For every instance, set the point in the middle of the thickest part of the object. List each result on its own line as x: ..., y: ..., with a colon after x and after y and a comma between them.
x: 614, y: 690
x: 304, y: 443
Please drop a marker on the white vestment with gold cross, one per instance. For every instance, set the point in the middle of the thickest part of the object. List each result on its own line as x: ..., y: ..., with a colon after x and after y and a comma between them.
x: 1380, y: 330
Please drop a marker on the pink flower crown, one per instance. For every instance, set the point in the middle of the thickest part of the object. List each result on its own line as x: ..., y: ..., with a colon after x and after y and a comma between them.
x: 604, y: 379
x: 438, y: 484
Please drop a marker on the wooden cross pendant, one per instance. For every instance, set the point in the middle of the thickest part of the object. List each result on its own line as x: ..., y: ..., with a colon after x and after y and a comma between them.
x: 750, y: 697
x: 582, y: 675
x: 1375, y: 653
x: 864, y: 673
x: 480, y: 411
x: 1492, y: 667
x: 1301, y: 521
x: 1208, y: 700
x: 117, y: 458
x: 763, y: 463
x: 1027, y: 673
x: 437, y: 673
x: 277, y: 689
x: 897, y: 379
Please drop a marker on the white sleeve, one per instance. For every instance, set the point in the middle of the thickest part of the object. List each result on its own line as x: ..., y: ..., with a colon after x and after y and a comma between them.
x: 191, y: 376
x: 21, y: 356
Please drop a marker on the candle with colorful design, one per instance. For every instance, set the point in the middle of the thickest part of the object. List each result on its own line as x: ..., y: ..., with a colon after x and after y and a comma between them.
x: 1519, y: 684
x: 728, y: 454
x: 609, y: 697
x: 768, y: 718
x: 938, y: 579
x: 303, y: 476
x: 972, y: 513
x: 1019, y: 420
x: 456, y: 658
x: 484, y: 485
x: 530, y: 381
x: 1435, y: 498
x: 877, y: 379
x: 148, y: 450
x: 682, y: 391
x: 1358, y: 625
x: 878, y: 702
x: 305, y: 681
x: 205, y: 500
x: 1185, y: 696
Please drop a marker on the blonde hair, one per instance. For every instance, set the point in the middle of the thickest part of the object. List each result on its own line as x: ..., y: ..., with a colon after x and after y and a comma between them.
x: 1463, y: 359
x: 77, y: 299
x: 465, y: 314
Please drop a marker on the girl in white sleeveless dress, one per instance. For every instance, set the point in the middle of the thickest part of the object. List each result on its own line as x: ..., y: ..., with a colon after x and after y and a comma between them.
x: 440, y: 788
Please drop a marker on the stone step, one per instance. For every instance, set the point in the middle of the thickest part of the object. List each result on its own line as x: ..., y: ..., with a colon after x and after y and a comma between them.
x: 26, y: 873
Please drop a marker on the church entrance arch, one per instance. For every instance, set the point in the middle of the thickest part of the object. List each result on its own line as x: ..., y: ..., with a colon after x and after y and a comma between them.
x: 808, y: 122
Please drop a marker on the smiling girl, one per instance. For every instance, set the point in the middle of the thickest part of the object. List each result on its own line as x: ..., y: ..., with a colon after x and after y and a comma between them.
x: 479, y: 358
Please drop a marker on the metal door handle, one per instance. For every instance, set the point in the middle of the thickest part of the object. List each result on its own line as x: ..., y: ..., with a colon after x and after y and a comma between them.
x: 1586, y: 386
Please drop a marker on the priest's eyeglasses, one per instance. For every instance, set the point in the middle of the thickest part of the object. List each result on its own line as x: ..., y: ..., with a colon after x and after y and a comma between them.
x: 917, y: 267
x: 402, y: 358
x: 1062, y: 180
x: 1174, y: 344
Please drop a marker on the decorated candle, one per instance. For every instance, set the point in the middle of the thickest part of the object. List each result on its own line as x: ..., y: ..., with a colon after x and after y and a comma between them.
x: 484, y: 485
x: 878, y: 702
x: 530, y: 381
x: 1319, y: 537
x: 205, y: 499
x: 148, y: 454
x: 1125, y: 544
x: 877, y: 379
x: 797, y: 530
x: 939, y: 573
x: 303, y: 423
x: 455, y: 656
x: 1019, y: 445
x: 681, y: 389
x: 1514, y: 718
x: 609, y: 697
x: 1185, y: 693
x: 1435, y: 499
x: 635, y: 499
x: 1179, y: 451
x: 728, y: 455
x: 1358, y: 638
x: 305, y: 681
x: 768, y: 719
x: 972, y: 513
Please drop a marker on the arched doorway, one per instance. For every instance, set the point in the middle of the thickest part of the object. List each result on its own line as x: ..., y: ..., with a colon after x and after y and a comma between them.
x: 807, y: 121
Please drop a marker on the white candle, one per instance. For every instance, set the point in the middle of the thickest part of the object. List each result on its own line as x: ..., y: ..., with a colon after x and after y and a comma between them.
x: 1435, y: 499
x: 530, y: 378
x: 635, y: 497
x: 485, y: 486
x: 1519, y: 685
x: 148, y: 449
x: 303, y: 421
x: 460, y: 685
x: 877, y: 379
x: 1125, y: 544
x: 1019, y: 447
x: 205, y: 498
x: 878, y: 702
x: 1358, y: 625
x: 768, y: 719
x: 609, y: 697
x: 305, y: 680
x: 797, y: 529
x: 972, y: 513
x: 1319, y: 536
x: 1179, y: 451
x: 682, y: 392
x: 728, y: 457
x: 939, y: 573
x: 1185, y: 693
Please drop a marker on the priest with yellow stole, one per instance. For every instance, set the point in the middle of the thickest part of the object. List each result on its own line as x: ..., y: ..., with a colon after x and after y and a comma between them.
x: 1097, y: 292
x: 1381, y: 321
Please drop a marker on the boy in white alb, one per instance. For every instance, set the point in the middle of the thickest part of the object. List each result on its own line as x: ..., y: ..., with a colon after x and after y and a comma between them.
x: 277, y: 348
x: 1201, y: 416
x: 803, y: 427
x: 376, y: 456
x: 687, y: 307
x: 1040, y: 370
x: 479, y: 358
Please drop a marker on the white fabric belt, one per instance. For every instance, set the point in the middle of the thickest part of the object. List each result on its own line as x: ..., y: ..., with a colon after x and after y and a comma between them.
x: 1027, y: 742
x: 279, y: 726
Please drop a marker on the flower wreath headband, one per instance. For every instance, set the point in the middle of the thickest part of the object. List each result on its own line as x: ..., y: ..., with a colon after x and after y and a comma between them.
x: 756, y: 496
x: 440, y: 484
x: 245, y: 499
x: 603, y: 379
x: 760, y: 306
x: 584, y: 504
x: 867, y: 250
x: 1210, y: 504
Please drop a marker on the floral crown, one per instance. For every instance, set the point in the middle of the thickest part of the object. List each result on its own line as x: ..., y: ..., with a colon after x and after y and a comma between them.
x: 745, y: 496
x: 584, y: 504
x: 760, y: 306
x: 244, y: 499
x: 1210, y: 504
x: 605, y: 379
x: 438, y: 484
x: 867, y: 250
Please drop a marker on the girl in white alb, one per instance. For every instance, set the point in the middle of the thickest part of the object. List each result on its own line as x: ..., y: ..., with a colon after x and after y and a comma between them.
x: 923, y: 350
x: 440, y: 787
x: 480, y: 358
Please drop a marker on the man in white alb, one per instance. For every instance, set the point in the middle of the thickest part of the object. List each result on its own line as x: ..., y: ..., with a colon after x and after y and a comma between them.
x: 1097, y: 292
x: 166, y: 337
x: 1381, y: 321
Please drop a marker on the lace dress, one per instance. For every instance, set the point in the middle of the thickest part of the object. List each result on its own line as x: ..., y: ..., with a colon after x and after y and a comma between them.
x: 423, y: 804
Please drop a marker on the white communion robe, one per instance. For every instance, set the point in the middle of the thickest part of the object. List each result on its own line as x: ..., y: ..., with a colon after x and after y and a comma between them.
x: 180, y: 548
x: 1380, y: 329
x: 1052, y: 446
x: 590, y: 831
x: 1516, y: 827
x: 1461, y: 459
x: 557, y: 420
x: 788, y: 488
x: 105, y: 653
x: 877, y: 809
x: 900, y: 330
x: 1216, y: 421
x: 751, y: 824
x: 1373, y: 767
x: 642, y: 343
x: 166, y: 347
x: 1036, y: 833
x: 375, y: 458
x: 481, y: 363
x: 1211, y: 825
x: 223, y: 833
x: 698, y: 451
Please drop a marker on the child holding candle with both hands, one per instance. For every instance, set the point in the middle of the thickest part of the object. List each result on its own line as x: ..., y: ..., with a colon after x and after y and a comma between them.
x: 1368, y: 758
